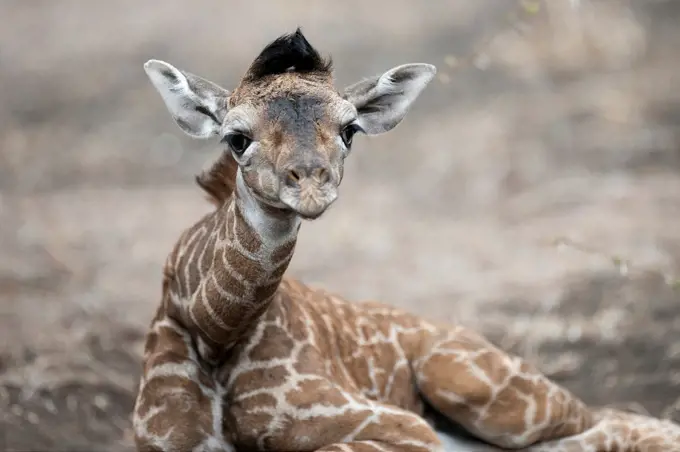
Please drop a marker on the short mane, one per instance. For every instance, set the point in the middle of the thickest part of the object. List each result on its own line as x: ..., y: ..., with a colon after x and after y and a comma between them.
x: 288, y: 53
x: 219, y: 181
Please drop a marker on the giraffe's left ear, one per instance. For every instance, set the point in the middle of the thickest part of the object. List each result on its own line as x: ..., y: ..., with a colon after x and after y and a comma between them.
x: 197, y: 105
x: 383, y: 101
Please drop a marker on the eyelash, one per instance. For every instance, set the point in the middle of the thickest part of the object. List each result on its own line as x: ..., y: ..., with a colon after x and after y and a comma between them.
x: 238, y: 142
x: 348, y: 132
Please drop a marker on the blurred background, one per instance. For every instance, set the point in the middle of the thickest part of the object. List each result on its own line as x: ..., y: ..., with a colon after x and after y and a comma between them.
x: 533, y: 192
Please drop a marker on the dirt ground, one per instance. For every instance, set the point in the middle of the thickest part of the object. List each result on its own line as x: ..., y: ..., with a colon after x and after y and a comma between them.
x: 532, y: 193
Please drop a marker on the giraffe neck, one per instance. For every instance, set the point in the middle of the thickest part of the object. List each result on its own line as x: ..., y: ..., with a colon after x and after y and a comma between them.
x: 228, y: 268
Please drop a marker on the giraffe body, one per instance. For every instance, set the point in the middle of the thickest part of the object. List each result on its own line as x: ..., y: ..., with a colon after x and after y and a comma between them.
x: 319, y: 370
x: 240, y: 358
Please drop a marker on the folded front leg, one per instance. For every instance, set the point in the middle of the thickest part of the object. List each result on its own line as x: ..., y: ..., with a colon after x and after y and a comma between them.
x: 316, y: 414
x: 497, y: 397
x: 178, y: 406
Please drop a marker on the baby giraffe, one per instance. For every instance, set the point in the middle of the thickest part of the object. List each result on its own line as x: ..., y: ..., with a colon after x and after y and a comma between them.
x: 240, y: 358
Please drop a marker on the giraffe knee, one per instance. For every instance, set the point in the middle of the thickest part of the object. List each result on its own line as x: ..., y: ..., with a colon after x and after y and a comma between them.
x: 170, y: 416
x: 144, y: 444
x: 170, y: 434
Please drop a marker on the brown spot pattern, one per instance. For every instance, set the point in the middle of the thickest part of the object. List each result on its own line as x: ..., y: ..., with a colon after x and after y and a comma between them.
x: 311, y: 393
x: 276, y: 344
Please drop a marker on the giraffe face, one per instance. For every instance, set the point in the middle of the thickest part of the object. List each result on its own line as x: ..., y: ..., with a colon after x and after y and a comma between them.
x: 290, y: 135
x: 285, y: 124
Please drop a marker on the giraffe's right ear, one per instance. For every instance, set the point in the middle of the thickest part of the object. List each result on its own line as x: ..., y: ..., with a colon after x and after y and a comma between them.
x: 198, y: 106
x: 383, y: 101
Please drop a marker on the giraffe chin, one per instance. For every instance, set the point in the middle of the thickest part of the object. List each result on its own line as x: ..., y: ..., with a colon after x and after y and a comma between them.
x: 310, y: 217
x: 309, y: 207
x: 308, y: 213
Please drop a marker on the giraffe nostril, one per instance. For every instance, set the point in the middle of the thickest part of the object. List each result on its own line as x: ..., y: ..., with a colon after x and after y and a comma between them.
x: 293, y: 178
x: 318, y: 174
x: 323, y: 175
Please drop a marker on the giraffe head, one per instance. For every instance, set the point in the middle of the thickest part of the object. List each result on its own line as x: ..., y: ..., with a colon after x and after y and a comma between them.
x: 285, y: 125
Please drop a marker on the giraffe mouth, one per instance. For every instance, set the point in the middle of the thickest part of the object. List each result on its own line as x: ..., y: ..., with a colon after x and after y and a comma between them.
x: 307, y: 212
x: 308, y: 216
x: 309, y: 204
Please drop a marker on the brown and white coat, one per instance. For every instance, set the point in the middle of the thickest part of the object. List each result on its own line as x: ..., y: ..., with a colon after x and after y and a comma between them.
x: 240, y: 358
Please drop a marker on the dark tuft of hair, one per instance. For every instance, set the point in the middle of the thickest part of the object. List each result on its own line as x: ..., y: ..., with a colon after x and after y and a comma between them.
x: 289, y: 53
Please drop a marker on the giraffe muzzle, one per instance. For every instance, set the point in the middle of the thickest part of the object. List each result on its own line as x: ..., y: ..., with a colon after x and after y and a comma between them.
x: 309, y: 197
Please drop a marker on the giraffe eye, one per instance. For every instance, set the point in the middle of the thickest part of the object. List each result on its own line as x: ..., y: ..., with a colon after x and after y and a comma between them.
x: 238, y: 142
x: 347, y: 134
